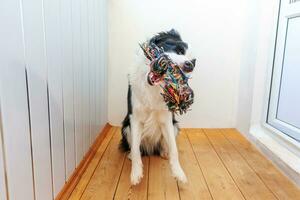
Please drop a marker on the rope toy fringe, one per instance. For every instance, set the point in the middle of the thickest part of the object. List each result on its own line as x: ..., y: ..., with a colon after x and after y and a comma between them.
x: 174, y: 82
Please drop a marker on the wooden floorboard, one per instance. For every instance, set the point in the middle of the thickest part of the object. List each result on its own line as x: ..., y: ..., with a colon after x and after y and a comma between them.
x: 246, y: 179
x: 85, y: 179
x: 280, y: 185
x: 161, y: 183
x: 196, y: 188
x: 219, y: 164
x: 106, y: 176
x: 125, y: 190
x: 219, y: 181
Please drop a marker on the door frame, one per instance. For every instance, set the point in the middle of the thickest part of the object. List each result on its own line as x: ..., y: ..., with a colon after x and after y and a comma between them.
x: 277, y: 66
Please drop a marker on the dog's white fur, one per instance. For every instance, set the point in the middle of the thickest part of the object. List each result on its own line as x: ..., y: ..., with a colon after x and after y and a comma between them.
x: 150, y: 121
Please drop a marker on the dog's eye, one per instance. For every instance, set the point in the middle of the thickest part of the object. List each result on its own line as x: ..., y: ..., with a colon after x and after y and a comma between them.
x: 180, y: 51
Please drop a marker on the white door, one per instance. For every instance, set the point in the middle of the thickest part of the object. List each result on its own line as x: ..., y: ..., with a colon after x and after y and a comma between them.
x: 284, y: 104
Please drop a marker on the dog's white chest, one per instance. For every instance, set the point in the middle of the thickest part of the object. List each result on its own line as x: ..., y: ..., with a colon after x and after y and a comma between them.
x: 150, y: 125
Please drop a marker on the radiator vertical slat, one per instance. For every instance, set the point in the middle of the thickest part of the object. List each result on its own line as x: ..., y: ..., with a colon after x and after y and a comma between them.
x: 3, y: 178
x: 85, y: 74
x: 54, y: 64
x: 77, y: 60
x: 14, y: 105
x: 35, y: 58
x: 68, y: 84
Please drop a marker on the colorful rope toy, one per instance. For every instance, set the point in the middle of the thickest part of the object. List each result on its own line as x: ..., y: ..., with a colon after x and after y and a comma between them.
x: 174, y: 82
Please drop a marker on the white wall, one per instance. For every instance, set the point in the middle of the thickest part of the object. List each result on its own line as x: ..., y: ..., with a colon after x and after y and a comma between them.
x: 215, y: 31
x: 255, y: 73
x: 247, y: 67
x: 264, y: 60
x: 52, y: 92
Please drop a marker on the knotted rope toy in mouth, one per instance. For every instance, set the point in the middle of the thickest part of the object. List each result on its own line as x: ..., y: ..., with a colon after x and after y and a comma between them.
x: 174, y: 82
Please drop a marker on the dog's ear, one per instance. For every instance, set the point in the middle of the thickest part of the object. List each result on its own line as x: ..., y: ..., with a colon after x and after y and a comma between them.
x: 163, y: 36
x: 194, y: 62
x: 174, y: 33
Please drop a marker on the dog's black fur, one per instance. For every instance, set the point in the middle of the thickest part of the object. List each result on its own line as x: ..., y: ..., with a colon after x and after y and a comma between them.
x: 170, y: 41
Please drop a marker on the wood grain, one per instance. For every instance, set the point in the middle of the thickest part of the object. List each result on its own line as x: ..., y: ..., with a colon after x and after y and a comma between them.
x: 106, y: 176
x: 71, y: 184
x: 127, y: 191
x: 85, y: 179
x: 196, y: 188
x: 246, y: 179
x: 218, y: 179
x: 161, y: 183
x: 272, y: 177
x: 219, y: 164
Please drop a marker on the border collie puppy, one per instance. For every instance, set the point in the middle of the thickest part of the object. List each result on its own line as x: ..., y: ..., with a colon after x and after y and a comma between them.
x: 149, y: 127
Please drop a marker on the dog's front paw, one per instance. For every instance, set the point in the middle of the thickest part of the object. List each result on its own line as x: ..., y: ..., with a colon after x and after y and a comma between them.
x: 136, y: 174
x: 164, y: 155
x: 179, y: 174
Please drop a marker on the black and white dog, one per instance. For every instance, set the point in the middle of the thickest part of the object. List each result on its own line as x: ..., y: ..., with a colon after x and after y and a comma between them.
x: 149, y: 127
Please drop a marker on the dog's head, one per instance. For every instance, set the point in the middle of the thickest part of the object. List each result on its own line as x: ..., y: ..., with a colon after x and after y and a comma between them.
x: 175, y: 48
x: 170, y: 68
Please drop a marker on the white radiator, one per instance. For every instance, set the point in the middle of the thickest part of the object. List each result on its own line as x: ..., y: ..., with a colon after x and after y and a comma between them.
x: 52, y: 92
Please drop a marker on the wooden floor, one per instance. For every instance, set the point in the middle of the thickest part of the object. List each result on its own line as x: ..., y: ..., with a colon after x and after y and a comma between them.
x: 219, y: 164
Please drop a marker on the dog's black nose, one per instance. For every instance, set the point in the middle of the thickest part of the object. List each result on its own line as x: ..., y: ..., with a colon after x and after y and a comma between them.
x: 188, y: 66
